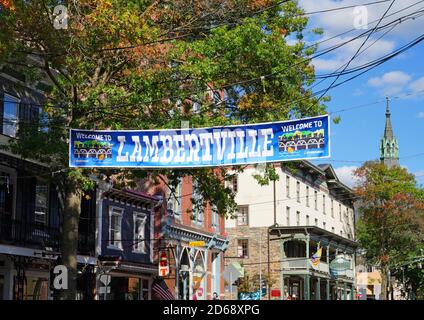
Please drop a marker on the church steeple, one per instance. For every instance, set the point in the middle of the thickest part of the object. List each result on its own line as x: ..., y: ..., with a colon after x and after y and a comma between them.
x: 389, y: 149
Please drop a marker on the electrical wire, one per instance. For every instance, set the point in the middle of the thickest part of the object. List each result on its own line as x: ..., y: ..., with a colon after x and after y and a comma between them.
x: 265, y: 76
x: 357, y: 52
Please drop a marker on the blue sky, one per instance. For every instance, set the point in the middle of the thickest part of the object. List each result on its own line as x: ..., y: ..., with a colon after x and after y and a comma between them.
x: 356, y: 138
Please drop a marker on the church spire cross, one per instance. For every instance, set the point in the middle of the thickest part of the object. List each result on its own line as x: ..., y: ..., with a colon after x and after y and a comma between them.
x: 388, y: 131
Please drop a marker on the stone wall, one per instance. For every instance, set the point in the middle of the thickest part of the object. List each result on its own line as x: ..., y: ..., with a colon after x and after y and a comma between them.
x: 258, y: 251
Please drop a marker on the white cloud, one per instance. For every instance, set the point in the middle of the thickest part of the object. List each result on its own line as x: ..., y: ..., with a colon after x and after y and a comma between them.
x: 339, y: 21
x: 421, y: 115
x: 391, y: 82
x: 340, y: 57
x: 335, y: 22
x: 393, y: 78
x: 419, y: 175
x: 345, y: 175
x: 417, y: 85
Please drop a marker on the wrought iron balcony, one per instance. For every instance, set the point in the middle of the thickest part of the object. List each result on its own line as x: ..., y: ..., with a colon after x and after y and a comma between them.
x: 39, y: 236
x: 22, y: 233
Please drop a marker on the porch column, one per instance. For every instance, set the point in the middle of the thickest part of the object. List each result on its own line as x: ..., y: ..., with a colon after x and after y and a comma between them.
x: 352, y: 292
x: 345, y: 291
x: 327, y: 287
x: 337, y: 289
x: 318, y: 289
x: 306, y: 287
x: 328, y: 255
x: 307, y: 276
x: 177, y: 271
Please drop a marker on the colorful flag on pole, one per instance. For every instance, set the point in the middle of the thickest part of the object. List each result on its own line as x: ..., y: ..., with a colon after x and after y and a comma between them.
x: 316, y: 257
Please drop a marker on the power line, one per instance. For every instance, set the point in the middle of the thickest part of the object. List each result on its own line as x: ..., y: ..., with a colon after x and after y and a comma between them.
x: 240, y: 22
x: 354, y: 29
x: 248, y: 80
x: 344, y: 7
x: 357, y: 52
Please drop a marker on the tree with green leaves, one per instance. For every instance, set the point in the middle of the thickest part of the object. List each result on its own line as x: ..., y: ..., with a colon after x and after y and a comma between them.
x: 410, y: 274
x: 391, y: 210
x: 142, y: 64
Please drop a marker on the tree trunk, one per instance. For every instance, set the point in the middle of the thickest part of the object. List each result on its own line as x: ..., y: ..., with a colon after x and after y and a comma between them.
x: 384, y: 283
x: 69, y: 242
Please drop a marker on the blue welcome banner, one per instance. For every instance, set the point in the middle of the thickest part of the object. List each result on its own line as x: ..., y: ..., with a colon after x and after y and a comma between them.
x: 203, y: 147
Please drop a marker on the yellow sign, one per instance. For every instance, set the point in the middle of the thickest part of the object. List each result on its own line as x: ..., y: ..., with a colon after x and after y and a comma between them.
x: 197, y: 243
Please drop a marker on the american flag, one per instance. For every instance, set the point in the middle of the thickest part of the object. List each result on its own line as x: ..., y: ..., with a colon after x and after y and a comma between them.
x: 161, y: 289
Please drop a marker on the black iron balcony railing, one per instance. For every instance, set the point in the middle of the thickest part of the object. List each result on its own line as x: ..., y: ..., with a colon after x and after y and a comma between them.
x: 18, y: 232
x: 40, y: 236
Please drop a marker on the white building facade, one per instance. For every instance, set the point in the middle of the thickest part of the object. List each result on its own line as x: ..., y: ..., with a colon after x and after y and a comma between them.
x: 306, y: 209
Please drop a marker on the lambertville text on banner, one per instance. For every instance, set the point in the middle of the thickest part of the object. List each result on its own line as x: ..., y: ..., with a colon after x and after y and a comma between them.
x: 203, y: 147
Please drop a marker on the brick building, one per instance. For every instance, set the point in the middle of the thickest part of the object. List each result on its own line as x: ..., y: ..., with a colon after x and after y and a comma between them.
x: 195, y: 271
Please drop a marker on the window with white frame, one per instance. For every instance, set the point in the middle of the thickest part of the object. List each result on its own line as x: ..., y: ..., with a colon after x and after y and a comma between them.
x: 41, y: 202
x: 288, y: 216
x: 307, y: 196
x: 232, y: 183
x: 243, y: 216
x: 323, y: 203
x: 287, y: 186
x: 324, y: 225
x: 316, y: 199
x: 332, y: 208
x: 316, y: 222
x: 215, y: 216
x: 340, y: 211
x: 175, y: 201
x: 298, y: 191
x: 243, y: 248
x: 140, y: 232
x: 235, y: 183
x: 10, y: 115
x: 298, y: 218
x: 307, y: 220
x: 198, y: 206
x: 115, y: 225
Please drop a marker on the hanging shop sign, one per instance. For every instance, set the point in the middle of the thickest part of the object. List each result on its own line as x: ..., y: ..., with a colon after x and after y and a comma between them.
x: 204, y: 147
x: 339, y: 266
x: 163, y: 265
x: 197, y: 243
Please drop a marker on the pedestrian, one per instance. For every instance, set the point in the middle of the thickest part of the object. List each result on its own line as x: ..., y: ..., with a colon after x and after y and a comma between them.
x: 215, y: 296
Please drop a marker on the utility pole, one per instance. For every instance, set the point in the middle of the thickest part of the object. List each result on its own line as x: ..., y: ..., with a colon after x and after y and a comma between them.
x: 275, y: 206
x: 269, y: 269
x: 260, y: 264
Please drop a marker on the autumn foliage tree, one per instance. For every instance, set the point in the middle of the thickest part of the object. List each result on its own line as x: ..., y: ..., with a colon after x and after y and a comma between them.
x: 141, y: 64
x: 391, y: 210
